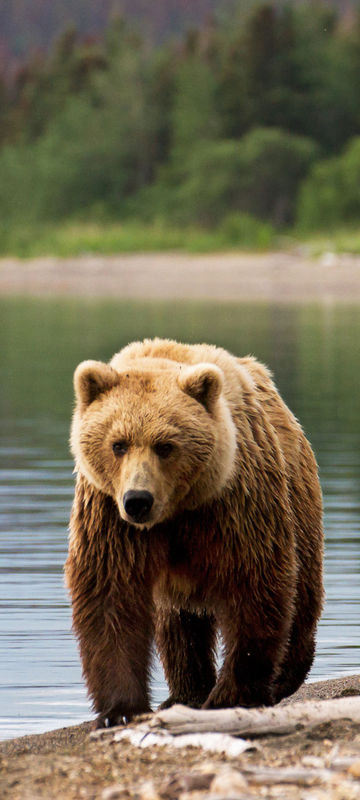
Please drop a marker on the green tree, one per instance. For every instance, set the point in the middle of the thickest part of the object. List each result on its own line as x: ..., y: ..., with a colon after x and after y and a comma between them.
x: 259, y: 175
x: 326, y: 72
x: 194, y: 118
x: 96, y: 151
x: 44, y: 85
x: 290, y: 66
x: 331, y: 195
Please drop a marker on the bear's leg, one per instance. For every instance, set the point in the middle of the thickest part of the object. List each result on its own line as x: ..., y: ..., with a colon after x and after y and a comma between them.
x: 297, y: 662
x: 114, y: 627
x: 117, y: 663
x: 251, y: 662
x: 301, y: 650
x: 186, y: 644
x: 309, y: 601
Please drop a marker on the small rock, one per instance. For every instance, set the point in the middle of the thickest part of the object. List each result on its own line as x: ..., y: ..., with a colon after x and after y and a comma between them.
x: 113, y: 792
x: 147, y: 791
x: 228, y: 782
x: 207, y: 766
x: 185, y: 782
x: 329, y: 259
x: 354, y: 769
x: 345, y: 791
x: 313, y: 761
x: 193, y: 796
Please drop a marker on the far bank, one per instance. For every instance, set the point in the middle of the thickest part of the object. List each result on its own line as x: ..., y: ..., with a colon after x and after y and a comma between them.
x: 279, y: 277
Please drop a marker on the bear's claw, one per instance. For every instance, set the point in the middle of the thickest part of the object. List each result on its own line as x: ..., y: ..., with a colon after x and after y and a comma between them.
x: 116, y: 717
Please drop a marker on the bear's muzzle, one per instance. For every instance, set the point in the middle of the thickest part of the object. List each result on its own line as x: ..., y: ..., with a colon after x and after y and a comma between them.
x: 137, y: 505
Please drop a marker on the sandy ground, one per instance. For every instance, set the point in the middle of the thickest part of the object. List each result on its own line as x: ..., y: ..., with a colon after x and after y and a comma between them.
x: 280, y: 277
x: 67, y: 763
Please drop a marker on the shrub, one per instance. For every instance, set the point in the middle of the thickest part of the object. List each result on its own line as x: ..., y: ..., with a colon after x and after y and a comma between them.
x: 79, y: 162
x: 257, y: 175
x: 243, y: 230
x: 274, y: 163
x: 331, y: 193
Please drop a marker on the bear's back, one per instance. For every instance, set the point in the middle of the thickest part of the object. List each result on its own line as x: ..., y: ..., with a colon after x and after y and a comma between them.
x: 167, y: 354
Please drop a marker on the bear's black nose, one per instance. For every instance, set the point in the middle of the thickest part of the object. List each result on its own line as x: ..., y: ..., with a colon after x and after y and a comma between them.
x: 138, y: 504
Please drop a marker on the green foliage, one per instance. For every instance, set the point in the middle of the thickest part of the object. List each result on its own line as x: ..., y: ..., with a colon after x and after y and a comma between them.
x: 273, y: 164
x: 42, y: 87
x: 72, y: 238
x: 194, y: 116
x: 327, y: 242
x: 213, y: 131
x: 327, y: 74
x: 245, y: 231
x: 97, y: 149
x: 331, y: 193
x: 257, y: 175
x: 290, y: 66
x: 200, y: 188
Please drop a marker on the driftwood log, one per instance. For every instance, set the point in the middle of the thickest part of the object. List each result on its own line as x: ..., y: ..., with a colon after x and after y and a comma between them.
x: 230, y: 780
x: 256, y: 722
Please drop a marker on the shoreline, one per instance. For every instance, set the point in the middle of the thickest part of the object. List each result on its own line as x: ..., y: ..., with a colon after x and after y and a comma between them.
x: 325, y: 689
x: 67, y: 764
x: 277, y: 277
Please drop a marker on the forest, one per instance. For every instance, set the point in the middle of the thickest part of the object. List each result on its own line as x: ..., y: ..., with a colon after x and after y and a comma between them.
x: 244, y: 125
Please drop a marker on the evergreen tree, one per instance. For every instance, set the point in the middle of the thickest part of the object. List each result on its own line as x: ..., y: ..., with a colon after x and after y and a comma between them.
x: 195, y: 117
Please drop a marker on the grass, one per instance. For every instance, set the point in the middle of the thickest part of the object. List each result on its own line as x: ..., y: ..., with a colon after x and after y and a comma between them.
x: 238, y: 232
x: 78, y: 238
x: 339, y: 240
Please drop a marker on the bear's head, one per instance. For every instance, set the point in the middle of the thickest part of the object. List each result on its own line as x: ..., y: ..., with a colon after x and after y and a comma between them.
x: 158, y: 439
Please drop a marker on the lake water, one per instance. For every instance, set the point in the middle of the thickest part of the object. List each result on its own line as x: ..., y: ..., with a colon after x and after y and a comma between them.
x: 314, y: 352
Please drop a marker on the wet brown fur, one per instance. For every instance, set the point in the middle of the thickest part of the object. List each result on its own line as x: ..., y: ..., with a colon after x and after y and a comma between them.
x: 234, y: 545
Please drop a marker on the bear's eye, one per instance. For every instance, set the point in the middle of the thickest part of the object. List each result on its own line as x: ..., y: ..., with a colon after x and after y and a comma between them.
x: 163, y: 449
x: 120, y: 448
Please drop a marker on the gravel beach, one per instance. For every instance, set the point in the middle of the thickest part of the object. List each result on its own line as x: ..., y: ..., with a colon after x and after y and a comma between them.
x: 68, y: 763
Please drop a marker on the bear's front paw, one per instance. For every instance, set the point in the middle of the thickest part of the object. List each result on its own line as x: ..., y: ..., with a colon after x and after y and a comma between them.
x: 192, y: 702
x: 120, y: 715
x: 170, y: 701
x: 224, y: 696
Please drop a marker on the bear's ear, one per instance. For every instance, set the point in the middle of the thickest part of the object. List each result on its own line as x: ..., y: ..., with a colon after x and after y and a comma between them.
x: 203, y: 382
x: 91, y: 378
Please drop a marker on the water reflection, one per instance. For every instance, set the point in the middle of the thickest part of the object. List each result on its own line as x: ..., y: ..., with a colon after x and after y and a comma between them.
x: 311, y: 351
x: 39, y: 674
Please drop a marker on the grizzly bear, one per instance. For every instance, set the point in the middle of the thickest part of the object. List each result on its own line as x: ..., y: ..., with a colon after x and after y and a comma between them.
x: 197, y: 510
